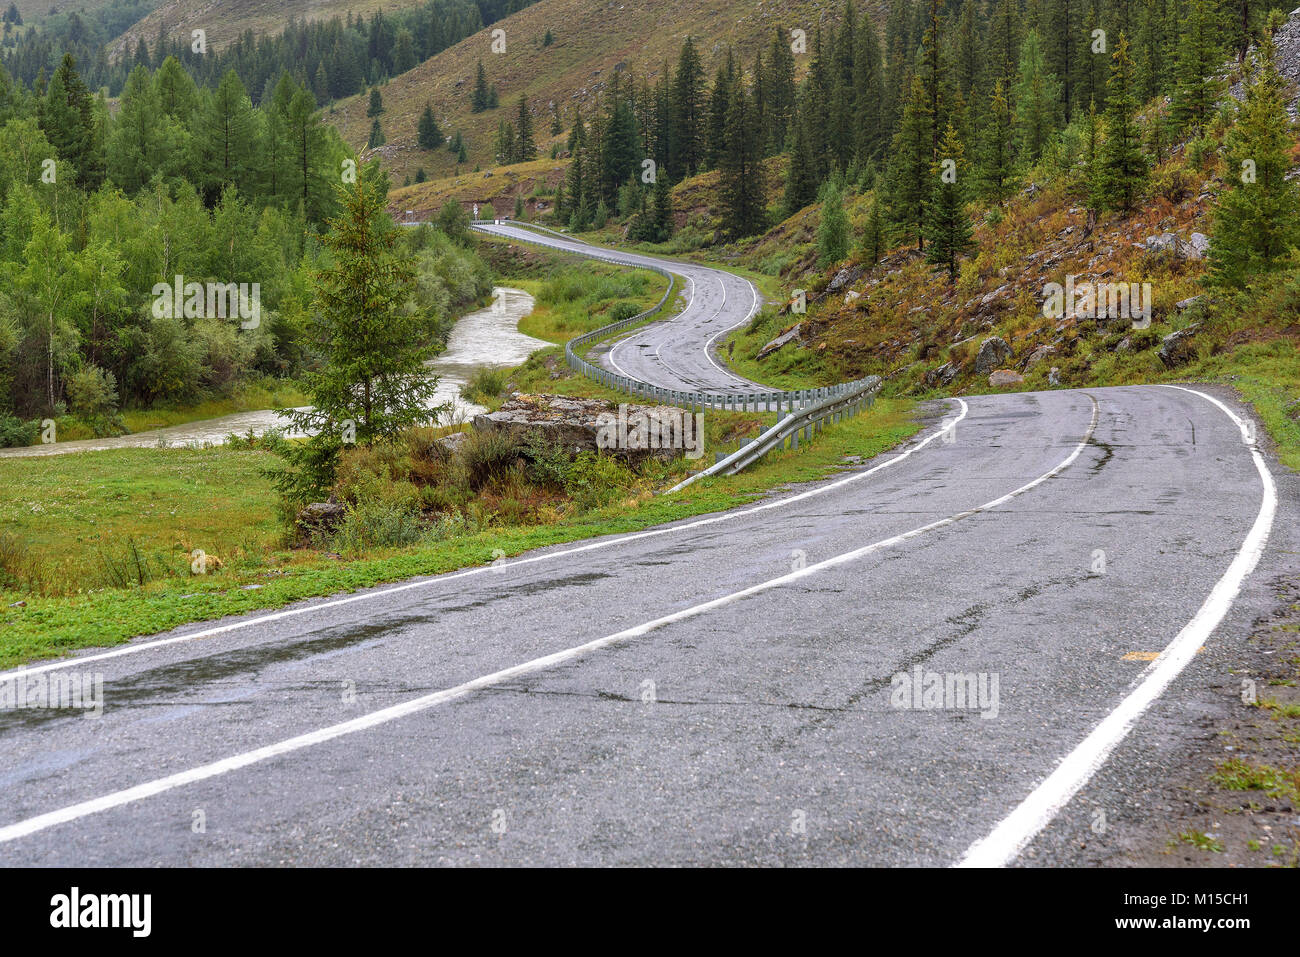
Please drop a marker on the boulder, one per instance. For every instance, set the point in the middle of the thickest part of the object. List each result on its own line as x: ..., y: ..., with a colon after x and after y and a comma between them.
x: 1005, y: 377
x: 626, y: 431
x: 1176, y: 348
x: 790, y: 335
x: 943, y: 375
x: 319, y: 518
x: 1184, y: 304
x: 848, y: 274
x: 1054, y: 376
x: 993, y: 352
x: 1038, y: 355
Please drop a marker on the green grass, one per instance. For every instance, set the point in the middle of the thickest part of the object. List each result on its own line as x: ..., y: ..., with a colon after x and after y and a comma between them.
x: 171, y: 501
x: 1239, y: 775
x: 1201, y: 840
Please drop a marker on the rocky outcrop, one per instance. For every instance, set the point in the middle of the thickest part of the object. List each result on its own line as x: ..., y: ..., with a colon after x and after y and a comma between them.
x: 1040, y: 354
x: 1005, y: 377
x: 994, y: 352
x: 1176, y: 348
x: 1170, y: 244
x: 319, y: 519
x: 628, y: 432
x: 943, y: 375
x: 785, y: 338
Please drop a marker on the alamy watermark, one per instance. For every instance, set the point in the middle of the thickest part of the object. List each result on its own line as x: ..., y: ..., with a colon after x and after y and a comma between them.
x: 645, y: 429
x: 211, y: 300
x: 921, y: 690
x: 1099, y: 300
x: 84, y: 692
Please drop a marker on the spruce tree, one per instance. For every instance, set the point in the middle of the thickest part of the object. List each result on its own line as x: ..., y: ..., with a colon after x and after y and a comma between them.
x: 832, y: 227
x: 376, y: 106
x: 909, y: 179
x: 947, y: 227
x: 873, y: 235
x: 428, y: 136
x: 743, y: 188
x: 479, y: 101
x: 997, y: 162
x: 801, y: 178
x: 1123, y: 166
x: 525, y: 146
x: 1037, y: 95
x: 1198, y: 61
x: 1257, y: 219
x: 376, y: 135
x: 373, y: 382
x: 688, y: 114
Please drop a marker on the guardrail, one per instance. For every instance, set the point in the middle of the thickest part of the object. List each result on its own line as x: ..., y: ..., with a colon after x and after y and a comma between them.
x: 800, y: 409
x: 807, y: 421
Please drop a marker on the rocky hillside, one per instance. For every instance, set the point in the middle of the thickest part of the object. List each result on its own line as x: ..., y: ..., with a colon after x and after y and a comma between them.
x: 590, y: 43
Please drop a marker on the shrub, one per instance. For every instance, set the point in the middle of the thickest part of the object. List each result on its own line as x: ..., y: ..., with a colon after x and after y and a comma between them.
x: 594, y: 480
x: 373, y: 524
x: 483, y: 384
x: 15, y: 433
x: 488, y: 456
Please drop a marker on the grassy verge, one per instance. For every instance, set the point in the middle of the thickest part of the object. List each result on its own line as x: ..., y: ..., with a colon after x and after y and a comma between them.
x: 95, y: 514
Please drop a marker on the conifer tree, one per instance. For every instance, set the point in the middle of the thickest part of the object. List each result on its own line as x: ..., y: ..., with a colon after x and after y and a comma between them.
x: 1257, y: 220
x: 525, y: 145
x: 376, y: 106
x: 1037, y: 97
x: 1198, y: 61
x: 1123, y: 166
x: 428, y: 136
x: 743, y: 188
x: 947, y: 227
x: 480, y: 100
x: 998, y: 155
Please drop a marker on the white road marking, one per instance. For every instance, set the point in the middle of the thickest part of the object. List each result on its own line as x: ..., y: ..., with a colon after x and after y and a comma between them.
x: 1014, y: 833
x: 80, y: 660
x: 385, y: 715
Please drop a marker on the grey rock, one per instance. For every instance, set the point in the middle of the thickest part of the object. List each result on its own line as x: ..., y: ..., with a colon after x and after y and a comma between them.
x: 1054, y: 376
x: 581, y: 425
x: 848, y: 274
x: 1176, y: 348
x: 1005, y: 377
x: 790, y: 335
x: 319, y: 518
x: 943, y: 375
x: 993, y: 352
x: 1039, y: 355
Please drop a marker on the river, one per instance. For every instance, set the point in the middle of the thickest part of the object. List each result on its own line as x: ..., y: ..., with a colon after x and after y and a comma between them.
x: 486, y: 337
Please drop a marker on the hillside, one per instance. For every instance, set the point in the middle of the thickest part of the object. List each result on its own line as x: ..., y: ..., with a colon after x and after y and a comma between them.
x: 591, y: 42
x: 224, y: 20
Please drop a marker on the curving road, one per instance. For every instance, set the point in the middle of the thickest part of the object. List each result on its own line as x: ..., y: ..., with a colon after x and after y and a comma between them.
x: 721, y: 690
x: 679, y: 353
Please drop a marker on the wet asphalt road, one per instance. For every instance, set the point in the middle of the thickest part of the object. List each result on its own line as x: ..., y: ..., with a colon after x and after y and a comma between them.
x: 679, y: 353
x: 757, y: 731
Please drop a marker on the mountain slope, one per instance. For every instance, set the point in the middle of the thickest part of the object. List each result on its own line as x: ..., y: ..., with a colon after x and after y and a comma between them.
x: 591, y: 41
x: 224, y: 20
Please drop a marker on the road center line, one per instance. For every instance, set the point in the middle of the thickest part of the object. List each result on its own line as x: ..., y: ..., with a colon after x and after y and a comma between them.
x: 1014, y: 833
x: 385, y: 715
x: 131, y: 649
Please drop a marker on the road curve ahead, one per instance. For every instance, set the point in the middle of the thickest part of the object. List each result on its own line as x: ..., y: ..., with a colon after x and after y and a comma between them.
x: 724, y: 690
x: 678, y: 353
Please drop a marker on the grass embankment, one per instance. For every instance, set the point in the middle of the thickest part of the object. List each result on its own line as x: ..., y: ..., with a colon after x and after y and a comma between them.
x: 65, y: 544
